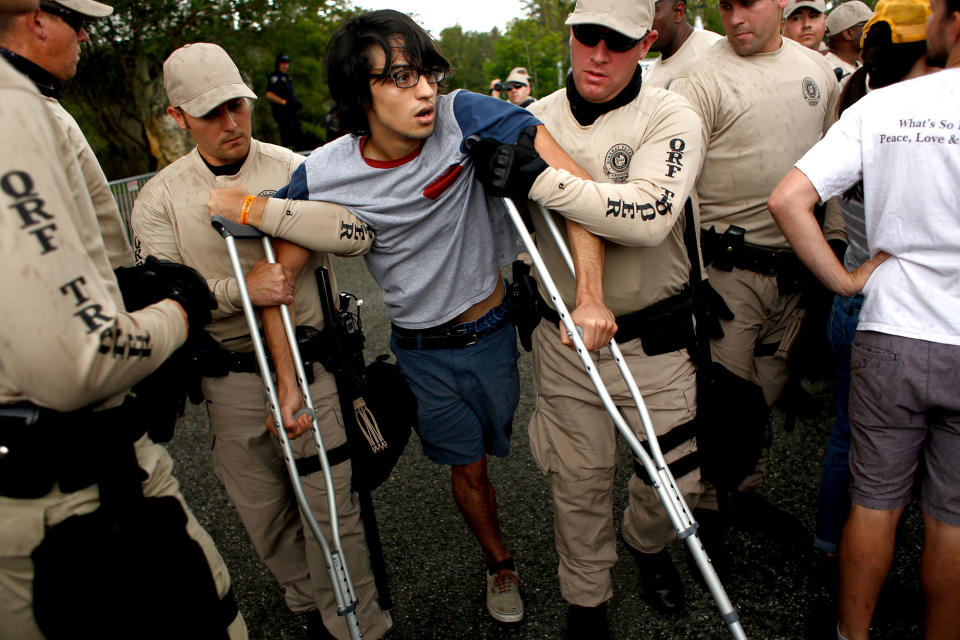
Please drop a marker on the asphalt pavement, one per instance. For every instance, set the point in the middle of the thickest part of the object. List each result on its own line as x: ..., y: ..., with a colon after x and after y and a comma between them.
x: 436, y: 567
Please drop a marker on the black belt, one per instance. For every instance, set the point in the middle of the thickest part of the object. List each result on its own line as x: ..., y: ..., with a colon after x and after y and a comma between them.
x: 444, y: 336
x: 725, y: 253
x: 663, y: 327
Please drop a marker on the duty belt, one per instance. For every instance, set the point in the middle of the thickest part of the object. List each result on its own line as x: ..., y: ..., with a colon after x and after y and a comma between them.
x: 663, y: 327
x: 309, y: 342
x: 444, y: 336
x: 728, y: 250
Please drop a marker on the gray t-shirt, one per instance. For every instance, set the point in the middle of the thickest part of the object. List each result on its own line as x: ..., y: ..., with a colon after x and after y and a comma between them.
x: 439, y: 238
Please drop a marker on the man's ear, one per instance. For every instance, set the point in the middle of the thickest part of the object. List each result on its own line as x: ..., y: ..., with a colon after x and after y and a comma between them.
x: 174, y: 113
x: 647, y: 42
x: 678, y: 13
x: 850, y: 35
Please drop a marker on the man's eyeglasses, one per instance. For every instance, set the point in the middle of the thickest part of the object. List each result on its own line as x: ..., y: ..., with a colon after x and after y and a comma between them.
x: 513, y: 85
x: 407, y: 77
x: 74, y: 19
x: 591, y: 35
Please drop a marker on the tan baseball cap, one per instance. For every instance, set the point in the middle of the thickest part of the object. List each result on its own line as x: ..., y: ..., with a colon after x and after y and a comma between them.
x: 632, y: 18
x: 88, y: 8
x: 907, y: 19
x: 518, y: 74
x: 793, y: 5
x: 847, y: 15
x: 201, y: 76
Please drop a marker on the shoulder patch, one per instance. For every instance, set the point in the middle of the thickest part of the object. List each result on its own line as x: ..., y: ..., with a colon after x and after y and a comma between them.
x: 616, y: 164
x: 273, y: 78
x: 811, y: 92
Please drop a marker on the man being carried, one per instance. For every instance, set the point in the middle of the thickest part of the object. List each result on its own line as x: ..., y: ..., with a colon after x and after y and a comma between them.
x: 208, y: 98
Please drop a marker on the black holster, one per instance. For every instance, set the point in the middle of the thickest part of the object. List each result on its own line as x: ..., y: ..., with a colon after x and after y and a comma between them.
x: 523, y: 300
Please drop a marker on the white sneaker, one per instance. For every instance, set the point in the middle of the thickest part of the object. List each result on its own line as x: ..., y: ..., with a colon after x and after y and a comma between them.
x: 503, y: 596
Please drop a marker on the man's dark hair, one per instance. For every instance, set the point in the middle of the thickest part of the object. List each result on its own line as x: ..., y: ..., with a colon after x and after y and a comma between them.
x: 348, y: 67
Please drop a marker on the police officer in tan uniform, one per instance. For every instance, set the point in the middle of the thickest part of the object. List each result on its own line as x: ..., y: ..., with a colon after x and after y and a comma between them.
x: 763, y: 100
x: 170, y: 221
x: 647, y: 141
x: 68, y: 460
x: 46, y: 47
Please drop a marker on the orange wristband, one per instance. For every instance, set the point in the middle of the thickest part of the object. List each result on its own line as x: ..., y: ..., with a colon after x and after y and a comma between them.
x: 245, y: 211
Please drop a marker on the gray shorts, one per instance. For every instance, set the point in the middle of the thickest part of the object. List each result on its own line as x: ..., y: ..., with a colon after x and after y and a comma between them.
x: 905, y: 424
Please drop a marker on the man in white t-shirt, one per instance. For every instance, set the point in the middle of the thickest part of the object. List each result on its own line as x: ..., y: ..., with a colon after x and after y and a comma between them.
x: 677, y: 42
x: 903, y: 142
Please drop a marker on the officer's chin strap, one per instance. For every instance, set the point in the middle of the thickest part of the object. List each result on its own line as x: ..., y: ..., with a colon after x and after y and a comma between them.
x: 656, y: 467
x: 333, y: 555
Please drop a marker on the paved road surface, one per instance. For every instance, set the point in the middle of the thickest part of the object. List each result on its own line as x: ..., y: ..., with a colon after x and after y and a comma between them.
x: 436, y: 567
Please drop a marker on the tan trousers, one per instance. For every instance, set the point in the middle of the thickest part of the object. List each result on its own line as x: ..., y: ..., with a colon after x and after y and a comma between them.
x: 574, y: 441
x: 23, y: 523
x: 761, y: 317
x: 249, y: 463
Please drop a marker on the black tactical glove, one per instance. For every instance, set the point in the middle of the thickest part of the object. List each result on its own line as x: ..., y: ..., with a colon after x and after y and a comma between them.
x: 156, y: 279
x: 713, y: 309
x: 506, y: 170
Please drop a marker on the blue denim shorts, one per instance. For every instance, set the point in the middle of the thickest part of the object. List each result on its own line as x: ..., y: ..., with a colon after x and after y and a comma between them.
x: 466, y: 397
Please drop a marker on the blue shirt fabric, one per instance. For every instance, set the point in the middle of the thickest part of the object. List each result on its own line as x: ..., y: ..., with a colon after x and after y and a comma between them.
x: 439, y: 238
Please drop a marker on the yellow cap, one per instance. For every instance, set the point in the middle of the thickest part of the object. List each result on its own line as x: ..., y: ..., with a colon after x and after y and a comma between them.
x: 907, y: 19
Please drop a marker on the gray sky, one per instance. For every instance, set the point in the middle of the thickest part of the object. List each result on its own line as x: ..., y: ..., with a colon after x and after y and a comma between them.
x: 436, y: 15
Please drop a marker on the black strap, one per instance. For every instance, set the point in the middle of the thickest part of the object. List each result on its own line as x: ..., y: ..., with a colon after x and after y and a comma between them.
x: 311, y: 464
x: 674, y: 438
x: 679, y: 467
x: 228, y: 609
x: 762, y: 350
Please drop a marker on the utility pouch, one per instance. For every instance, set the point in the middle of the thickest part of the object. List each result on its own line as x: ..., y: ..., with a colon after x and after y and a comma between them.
x: 663, y: 327
x: 122, y: 573
x: 523, y: 300
x: 792, y: 275
x: 723, y: 251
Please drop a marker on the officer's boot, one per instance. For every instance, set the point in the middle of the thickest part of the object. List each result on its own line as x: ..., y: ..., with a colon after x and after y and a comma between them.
x: 659, y: 580
x: 316, y: 630
x: 587, y: 623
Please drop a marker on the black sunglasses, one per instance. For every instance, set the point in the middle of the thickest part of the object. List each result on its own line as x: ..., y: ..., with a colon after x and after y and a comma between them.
x: 74, y: 19
x: 591, y: 35
x: 513, y: 85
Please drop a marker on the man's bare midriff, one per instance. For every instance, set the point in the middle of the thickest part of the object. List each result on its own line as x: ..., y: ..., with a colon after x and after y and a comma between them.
x: 491, y: 301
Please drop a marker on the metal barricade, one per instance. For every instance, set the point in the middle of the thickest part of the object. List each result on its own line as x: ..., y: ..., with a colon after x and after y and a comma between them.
x: 125, y: 192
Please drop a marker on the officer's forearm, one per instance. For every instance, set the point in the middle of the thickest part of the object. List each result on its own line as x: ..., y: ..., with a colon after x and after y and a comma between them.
x: 272, y: 97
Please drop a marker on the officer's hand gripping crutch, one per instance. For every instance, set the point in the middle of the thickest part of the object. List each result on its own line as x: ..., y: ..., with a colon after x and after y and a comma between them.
x: 333, y: 555
x: 654, y: 463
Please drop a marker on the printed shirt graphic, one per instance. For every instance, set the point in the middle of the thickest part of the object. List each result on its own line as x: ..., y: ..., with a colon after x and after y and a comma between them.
x: 904, y: 140
x: 439, y: 238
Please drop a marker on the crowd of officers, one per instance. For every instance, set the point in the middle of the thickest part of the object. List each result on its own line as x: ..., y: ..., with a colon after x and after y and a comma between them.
x: 659, y: 181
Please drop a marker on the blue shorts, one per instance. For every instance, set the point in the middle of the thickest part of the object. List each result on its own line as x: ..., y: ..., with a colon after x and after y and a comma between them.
x: 466, y: 397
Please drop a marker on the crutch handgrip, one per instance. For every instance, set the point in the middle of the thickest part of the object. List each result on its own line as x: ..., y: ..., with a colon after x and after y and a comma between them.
x: 228, y: 228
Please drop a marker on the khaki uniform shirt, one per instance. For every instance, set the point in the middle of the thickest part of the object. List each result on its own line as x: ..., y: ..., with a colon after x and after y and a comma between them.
x: 112, y: 227
x: 760, y: 114
x: 170, y: 220
x: 648, y: 151
x: 662, y: 71
x: 836, y: 61
x: 65, y: 340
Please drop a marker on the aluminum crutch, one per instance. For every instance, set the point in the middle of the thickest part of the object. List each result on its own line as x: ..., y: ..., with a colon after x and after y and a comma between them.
x: 334, y: 557
x: 656, y: 467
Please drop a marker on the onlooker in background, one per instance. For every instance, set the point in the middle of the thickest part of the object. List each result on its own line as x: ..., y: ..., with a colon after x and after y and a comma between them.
x: 285, y: 106
x: 677, y: 42
x: 805, y: 21
x: 517, y: 85
x: 45, y: 47
x: 901, y: 141
x: 845, y: 31
x: 886, y: 61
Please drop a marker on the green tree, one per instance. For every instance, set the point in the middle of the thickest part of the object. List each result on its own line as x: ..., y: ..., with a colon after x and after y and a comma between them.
x: 467, y: 52
x: 118, y: 96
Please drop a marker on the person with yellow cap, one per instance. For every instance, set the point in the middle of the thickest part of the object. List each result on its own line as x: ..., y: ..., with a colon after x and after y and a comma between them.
x: 88, y: 505
x: 902, y: 142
